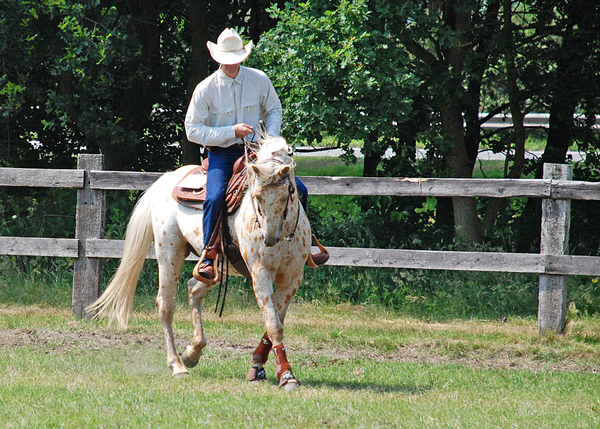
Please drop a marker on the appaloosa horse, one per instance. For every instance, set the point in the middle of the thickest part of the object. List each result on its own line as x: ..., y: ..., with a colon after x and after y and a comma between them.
x: 274, y: 238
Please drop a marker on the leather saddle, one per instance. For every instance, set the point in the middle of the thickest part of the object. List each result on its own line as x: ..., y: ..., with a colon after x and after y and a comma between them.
x: 191, y: 192
x: 191, y: 189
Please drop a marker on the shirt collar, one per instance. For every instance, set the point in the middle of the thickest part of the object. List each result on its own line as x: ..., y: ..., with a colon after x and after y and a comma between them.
x: 229, y: 81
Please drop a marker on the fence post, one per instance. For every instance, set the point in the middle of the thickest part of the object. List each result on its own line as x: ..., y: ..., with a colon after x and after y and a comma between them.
x: 556, y: 222
x: 87, y: 274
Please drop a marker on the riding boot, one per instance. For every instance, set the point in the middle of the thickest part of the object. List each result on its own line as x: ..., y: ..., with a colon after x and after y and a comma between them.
x: 316, y: 260
x: 204, y: 271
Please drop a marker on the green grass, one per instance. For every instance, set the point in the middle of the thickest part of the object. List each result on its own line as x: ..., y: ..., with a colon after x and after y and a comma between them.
x: 370, y: 365
x: 332, y: 166
x: 359, y: 367
x: 327, y: 166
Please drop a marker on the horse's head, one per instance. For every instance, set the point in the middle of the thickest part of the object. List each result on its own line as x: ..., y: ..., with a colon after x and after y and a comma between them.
x: 271, y: 187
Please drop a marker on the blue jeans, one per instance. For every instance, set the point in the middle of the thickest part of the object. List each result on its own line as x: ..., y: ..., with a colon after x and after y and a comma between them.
x: 220, y: 170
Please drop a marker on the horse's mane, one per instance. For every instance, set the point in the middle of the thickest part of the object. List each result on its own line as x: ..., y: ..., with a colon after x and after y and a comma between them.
x: 273, y: 153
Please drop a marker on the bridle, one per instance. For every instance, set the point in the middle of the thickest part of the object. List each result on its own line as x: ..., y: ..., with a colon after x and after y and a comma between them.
x: 291, y: 190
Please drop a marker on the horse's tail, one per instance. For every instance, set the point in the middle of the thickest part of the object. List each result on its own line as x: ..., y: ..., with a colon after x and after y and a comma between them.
x: 117, y: 300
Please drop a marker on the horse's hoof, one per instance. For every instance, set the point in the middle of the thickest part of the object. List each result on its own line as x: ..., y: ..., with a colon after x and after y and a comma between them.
x: 185, y: 359
x: 256, y: 374
x: 288, y: 381
x: 291, y: 385
x: 179, y: 371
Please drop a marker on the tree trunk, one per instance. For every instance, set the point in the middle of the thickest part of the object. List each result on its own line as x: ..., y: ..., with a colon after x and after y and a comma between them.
x: 372, y: 158
x: 466, y: 221
x: 200, y: 60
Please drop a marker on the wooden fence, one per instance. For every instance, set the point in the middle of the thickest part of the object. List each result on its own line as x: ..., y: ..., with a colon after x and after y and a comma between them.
x: 552, y: 264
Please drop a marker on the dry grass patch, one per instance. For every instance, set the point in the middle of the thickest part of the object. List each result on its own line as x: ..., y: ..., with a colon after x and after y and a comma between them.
x: 335, y: 333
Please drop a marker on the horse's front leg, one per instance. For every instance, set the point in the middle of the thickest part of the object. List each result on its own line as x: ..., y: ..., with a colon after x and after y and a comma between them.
x: 260, y: 355
x: 287, y: 286
x: 196, y: 292
x: 259, y: 358
x: 274, y: 314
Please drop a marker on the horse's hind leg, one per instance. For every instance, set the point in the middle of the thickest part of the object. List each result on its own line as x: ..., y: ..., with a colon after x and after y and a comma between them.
x: 196, y: 293
x: 170, y: 264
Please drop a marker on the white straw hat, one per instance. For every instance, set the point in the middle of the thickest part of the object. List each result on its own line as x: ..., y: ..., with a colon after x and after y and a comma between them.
x: 229, y: 48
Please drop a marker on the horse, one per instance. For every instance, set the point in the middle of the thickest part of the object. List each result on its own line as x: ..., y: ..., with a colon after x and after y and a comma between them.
x: 273, y: 235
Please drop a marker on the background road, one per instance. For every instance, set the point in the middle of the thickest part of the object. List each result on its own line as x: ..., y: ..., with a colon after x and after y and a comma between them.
x: 484, y: 155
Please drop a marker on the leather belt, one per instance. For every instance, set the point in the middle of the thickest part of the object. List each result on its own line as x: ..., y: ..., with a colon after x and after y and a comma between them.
x: 209, y: 148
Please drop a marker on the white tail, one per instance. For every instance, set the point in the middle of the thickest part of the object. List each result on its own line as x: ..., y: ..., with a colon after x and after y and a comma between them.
x: 117, y: 300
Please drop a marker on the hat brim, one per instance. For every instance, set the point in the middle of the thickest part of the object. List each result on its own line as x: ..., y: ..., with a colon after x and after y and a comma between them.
x: 230, y: 57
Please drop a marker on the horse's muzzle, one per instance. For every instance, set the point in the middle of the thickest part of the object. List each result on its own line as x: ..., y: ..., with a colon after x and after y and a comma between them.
x: 271, y: 241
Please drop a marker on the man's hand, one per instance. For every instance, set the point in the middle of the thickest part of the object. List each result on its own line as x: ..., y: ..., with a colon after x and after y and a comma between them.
x: 242, y: 130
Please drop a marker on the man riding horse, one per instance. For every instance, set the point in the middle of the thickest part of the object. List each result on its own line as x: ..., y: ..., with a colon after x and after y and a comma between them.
x: 225, y: 108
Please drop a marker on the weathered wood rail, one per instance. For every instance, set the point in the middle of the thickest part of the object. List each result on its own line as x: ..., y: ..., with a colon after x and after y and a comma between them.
x: 552, y: 264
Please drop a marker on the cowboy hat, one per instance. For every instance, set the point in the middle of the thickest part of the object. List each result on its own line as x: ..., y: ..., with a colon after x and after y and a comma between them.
x: 229, y: 48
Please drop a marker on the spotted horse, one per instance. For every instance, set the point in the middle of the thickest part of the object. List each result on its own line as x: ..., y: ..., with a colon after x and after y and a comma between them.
x: 274, y: 246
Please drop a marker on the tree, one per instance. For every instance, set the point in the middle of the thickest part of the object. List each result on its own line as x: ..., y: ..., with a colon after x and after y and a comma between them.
x: 107, y: 76
x: 92, y: 77
x: 561, y: 76
x: 455, y: 43
x: 338, y: 76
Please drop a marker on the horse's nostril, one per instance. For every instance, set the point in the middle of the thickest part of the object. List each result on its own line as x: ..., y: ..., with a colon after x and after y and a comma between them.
x: 270, y: 241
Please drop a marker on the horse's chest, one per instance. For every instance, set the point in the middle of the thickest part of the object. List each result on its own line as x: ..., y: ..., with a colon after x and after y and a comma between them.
x: 275, y: 258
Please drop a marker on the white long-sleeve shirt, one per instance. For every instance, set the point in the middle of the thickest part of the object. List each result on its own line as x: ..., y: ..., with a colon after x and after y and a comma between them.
x: 219, y: 102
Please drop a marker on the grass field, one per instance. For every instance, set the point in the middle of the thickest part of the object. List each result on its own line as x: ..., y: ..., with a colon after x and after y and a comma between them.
x: 359, y: 367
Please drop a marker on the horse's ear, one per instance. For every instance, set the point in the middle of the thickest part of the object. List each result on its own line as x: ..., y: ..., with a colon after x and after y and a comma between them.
x: 255, y: 170
x: 285, y: 170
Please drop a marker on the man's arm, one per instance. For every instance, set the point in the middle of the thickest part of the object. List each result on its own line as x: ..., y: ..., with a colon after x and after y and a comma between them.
x: 195, y: 124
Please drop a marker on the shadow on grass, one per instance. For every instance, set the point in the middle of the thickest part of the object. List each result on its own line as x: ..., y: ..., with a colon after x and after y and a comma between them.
x: 407, y: 389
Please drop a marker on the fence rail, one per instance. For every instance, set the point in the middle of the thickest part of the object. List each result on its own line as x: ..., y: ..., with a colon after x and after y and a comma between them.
x: 553, y: 263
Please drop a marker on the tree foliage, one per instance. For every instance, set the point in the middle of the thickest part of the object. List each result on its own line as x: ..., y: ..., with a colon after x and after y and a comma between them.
x: 114, y: 77
x: 106, y: 76
x: 338, y: 75
x: 465, y: 58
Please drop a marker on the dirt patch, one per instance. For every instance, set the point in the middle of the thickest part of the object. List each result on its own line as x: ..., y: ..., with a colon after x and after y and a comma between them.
x: 67, y: 341
x: 509, y: 356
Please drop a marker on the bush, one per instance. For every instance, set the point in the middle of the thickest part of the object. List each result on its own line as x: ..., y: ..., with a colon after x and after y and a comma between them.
x: 424, y: 293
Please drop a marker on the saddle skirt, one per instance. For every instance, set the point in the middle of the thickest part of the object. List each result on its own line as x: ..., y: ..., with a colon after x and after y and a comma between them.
x: 191, y: 189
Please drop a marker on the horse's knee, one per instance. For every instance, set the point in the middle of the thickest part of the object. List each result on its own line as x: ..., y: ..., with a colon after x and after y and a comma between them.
x: 165, y: 310
x: 196, y: 289
x: 275, y: 332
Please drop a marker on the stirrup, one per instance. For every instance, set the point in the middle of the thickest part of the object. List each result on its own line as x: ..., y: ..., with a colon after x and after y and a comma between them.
x: 196, y: 270
x: 317, y: 264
